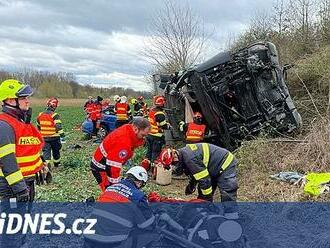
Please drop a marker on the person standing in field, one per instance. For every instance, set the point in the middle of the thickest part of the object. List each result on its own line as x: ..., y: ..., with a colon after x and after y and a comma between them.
x: 20, y: 143
x: 50, y: 127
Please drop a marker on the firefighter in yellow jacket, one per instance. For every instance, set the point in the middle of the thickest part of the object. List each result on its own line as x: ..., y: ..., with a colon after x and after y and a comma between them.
x: 50, y: 126
x: 158, y: 123
x: 20, y: 143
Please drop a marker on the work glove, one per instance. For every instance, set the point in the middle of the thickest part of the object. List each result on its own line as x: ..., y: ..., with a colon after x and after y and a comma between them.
x: 23, y: 196
x: 190, y: 188
x: 40, y: 180
x: 181, y: 124
x: 154, y: 197
x: 146, y: 164
x: 48, y: 175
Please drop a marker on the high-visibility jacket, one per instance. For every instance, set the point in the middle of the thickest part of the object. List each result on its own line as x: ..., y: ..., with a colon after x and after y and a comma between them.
x: 195, y: 132
x: 205, y: 161
x: 49, y: 124
x: 27, y: 148
x: 115, y: 150
x: 157, y: 122
x: 122, y: 111
x: 96, y: 113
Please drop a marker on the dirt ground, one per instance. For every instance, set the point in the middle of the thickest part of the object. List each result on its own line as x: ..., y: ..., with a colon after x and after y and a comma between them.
x: 63, y: 102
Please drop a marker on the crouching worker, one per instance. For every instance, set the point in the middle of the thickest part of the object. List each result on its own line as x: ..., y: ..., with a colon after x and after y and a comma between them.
x: 126, y: 220
x: 116, y: 149
x: 209, y: 167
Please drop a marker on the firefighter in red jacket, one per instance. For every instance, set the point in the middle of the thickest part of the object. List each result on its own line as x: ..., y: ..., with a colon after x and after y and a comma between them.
x: 96, y: 113
x: 116, y: 149
x: 89, y: 105
x: 123, y: 112
x: 156, y: 138
x: 50, y: 127
x: 194, y: 131
x: 20, y: 143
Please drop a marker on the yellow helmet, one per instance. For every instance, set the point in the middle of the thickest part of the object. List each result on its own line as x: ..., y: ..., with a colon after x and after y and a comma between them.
x: 133, y: 101
x: 12, y: 88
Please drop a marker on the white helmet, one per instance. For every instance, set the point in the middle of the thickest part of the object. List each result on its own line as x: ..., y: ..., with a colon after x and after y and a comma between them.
x: 116, y: 98
x: 139, y: 173
x: 123, y: 99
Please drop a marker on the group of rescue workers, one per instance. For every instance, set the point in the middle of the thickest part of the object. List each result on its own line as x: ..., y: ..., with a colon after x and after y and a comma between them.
x: 27, y: 153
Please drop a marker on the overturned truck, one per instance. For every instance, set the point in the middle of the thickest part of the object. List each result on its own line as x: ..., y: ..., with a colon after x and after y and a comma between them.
x: 239, y: 94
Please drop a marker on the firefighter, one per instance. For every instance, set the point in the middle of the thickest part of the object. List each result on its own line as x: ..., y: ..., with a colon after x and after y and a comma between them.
x: 50, y: 127
x: 207, y: 166
x: 115, y: 222
x: 194, y: 131
x: 116, y: 149
x: 142, y: 106
x: 88, y: 106
x: 20, y: 143
x: 136, y: 107
x: 128, y: 189
x: 123, y: 112
x: 96, y: 113
x: 156, y: 138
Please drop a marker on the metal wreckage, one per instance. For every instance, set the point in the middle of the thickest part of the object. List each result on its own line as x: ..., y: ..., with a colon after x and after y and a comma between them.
x: 239, y: 94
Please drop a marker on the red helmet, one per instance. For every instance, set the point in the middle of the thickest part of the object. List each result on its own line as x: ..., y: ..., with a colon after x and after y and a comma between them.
x: 198, y: 115
x: 166, y: 157
x: 140, y: 98
x: 159, y: 101
x: 52, y: 102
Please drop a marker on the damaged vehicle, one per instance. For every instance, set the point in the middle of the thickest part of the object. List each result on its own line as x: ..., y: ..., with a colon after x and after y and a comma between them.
x: 239, y: 93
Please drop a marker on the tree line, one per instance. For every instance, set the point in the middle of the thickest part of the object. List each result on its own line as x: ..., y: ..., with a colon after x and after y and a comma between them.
x: 64, y: 85
x: 297, y: 27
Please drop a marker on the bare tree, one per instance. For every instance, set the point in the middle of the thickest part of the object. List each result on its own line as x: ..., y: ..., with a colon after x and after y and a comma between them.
x: 324, y: 21
x: 176, y: 38
x: 280, y: 16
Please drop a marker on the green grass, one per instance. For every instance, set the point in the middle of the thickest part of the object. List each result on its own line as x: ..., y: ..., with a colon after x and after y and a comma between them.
x: 74, y: 181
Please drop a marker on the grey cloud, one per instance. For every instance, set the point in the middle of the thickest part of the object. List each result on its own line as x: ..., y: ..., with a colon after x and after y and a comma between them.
x: 101, y: 37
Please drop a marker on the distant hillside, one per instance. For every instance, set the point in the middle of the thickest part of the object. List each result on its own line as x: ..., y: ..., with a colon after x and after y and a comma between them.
x: 64, y: 85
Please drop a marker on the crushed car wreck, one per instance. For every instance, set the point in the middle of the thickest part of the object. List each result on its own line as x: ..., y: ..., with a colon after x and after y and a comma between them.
x: 239, y: 94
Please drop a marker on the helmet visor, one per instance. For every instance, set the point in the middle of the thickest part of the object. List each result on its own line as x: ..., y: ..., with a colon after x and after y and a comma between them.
x: 25, y: 91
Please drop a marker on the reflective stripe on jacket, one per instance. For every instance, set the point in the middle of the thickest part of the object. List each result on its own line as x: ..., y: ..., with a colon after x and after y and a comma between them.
x: 122, y: 111
x: 205, y: 161
x: 195, y: 132
x: 155, y: 127
x: 47, y: 124
x: 28, y: 145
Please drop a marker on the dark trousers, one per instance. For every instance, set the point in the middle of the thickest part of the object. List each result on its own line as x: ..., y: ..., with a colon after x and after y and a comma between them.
x: 101, y: 177
x: 154, y: 146
x: 6, y: 193
x: 228, y: 186
x: 51, y: 149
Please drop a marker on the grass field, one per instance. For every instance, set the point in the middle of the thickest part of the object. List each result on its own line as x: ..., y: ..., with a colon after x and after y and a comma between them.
x: 258, y: 160
x: 73, y: 181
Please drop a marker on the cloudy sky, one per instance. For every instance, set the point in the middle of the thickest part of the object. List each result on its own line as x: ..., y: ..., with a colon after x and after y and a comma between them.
x: 100, y: 41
